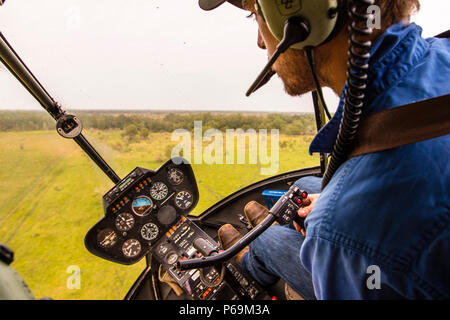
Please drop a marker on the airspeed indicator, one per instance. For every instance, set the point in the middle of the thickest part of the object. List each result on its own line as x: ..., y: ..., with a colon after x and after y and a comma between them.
x: 159, y: 191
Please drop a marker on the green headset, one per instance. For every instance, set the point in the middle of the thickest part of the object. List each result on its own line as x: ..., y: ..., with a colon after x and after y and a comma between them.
x: 320, y: 15
x: 297, y: 24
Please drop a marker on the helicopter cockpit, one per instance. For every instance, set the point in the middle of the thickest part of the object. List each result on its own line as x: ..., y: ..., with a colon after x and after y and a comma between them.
x: 147, y: 213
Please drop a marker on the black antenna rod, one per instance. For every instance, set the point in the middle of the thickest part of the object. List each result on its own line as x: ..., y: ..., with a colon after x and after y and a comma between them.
x: 68, y: 126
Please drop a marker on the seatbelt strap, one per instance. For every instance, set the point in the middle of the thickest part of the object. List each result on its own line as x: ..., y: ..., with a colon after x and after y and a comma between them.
x: 444, y: 35
x: 403, y: 125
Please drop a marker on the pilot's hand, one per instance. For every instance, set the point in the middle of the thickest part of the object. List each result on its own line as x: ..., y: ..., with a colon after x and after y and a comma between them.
x: 307, y: 206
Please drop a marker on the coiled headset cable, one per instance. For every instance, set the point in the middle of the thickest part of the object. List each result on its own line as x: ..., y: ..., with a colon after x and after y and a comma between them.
x: 357, y: 76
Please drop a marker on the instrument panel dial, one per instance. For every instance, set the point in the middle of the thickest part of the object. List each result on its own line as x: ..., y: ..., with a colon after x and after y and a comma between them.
x: 159, y: 190
x: 172, y: 258
x: 175, y: 176
x: 184, y: 199
x: 124, y: 222
x: 149, y: 231
x: 131, y: 248
x: 142, y: 206
x: 107, y: 238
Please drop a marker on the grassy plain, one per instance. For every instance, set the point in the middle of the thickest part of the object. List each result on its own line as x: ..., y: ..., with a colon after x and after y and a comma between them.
x: 51, y: 195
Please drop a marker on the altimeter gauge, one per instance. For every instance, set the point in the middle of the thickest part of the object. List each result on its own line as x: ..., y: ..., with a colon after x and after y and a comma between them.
x: 159, y: 190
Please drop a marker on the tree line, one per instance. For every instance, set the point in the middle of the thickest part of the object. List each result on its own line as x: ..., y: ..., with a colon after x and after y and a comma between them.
x: 141, y: 124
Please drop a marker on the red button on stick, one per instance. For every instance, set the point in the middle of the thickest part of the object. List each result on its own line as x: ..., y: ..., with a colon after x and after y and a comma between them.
x: 299, y: 201
x: 304, y: 194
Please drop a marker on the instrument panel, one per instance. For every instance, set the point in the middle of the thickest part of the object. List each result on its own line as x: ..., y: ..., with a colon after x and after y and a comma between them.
x: 142, y: 208
x: 146, y: 212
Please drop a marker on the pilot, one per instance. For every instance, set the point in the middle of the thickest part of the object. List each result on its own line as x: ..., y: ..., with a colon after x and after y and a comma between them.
x: 381, y: 228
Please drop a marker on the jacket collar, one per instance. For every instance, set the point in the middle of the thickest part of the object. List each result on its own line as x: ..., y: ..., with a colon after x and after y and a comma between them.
x: 392, y: 55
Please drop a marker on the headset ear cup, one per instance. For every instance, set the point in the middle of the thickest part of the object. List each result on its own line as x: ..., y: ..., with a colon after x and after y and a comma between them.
x: 316, y: 12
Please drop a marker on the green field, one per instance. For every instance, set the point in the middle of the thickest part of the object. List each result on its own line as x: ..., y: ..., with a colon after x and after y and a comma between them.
x: 51, y: 195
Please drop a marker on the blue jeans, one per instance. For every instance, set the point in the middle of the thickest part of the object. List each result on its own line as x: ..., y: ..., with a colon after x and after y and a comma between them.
x: 275, y: 253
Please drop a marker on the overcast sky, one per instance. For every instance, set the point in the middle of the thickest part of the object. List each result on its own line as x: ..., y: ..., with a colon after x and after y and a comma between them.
x: 150, y: 54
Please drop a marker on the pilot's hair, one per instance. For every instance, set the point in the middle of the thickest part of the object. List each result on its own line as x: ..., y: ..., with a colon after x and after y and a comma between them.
x: 393, y: 11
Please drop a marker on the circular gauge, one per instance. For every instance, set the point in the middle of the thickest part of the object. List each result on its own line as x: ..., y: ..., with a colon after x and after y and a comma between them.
x: 175, y: 176
x: 107, y: 238
x: 149, y: 231
x: 172, y: 258
x: 142, y: 205
x: 184, y: 200
x: 159, y: 190
x: 124, y: 221
x: 131, y: 248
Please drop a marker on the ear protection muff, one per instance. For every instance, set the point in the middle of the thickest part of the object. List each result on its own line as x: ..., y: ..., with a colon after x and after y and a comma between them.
x: 320, y: 15
x: 298, y: 24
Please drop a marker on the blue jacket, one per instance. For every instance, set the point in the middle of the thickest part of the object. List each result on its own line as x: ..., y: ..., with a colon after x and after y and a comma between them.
x: 386, y: 216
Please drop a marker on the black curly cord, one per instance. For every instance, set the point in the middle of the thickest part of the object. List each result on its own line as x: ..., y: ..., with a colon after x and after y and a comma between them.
x: 358, y: 65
